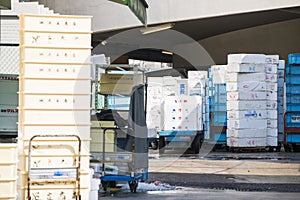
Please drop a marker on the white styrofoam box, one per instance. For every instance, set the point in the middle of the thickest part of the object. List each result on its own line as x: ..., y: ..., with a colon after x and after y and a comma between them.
x: 280, y: 73
x: 10, y: 29
x: 272, y: 141
x: 56, y: 102
x: 272, y: 59
x: 8, y: 189
x: 272, y: 105
x: 272, y: 114
x: 56, y: 86
x: 246, y: 105
x: 247, y: 114
x: 246, y: 142
x: 271, y: 86
x: 9, y: 58
x: 154, y: 117
x: 219, y: 73
x: 182, y: 87
x: 246, y: 68
x: 27, y: 132
x: 197, y: 86
x: 247, y: 123
x: 246, y: 86
x: 55, y: 23
x: 170, y: 80
x: 280, y: 82
x: 59, y: 192
x: 68, y: 56
x: 271, y: 78
x: 196, y: 75
x: 246, y: 58
x: 155, y: 81
x: 272, y: 123
x: 272, y: 132
x: 246, y: 133
x: 247, y: 96
x: 169, y: 90
x: 271, y: 68
x: 54, y: 117
x: 271, y: 95
x: 48, y: 71
x: 8, y: 172
x: 39, y: 39
x: 154, y: 93
x: 281, y: 64
x: 8, y: 153
x: 244, y: 77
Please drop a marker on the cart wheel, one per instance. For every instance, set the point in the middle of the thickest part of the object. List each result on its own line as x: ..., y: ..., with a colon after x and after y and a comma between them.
x: 196, y: 144
x: 133, y: 186
x: 154, y: 144
x: 161, y: 144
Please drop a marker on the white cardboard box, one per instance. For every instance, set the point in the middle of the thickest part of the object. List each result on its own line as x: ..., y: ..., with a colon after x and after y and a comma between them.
x: 246, y: 133
x: 247, y: 68
x: 244, y: 77
x: 246, y: 142
x: 247, y: 124
x: 246, y: 58
x: 247, y: 96
x: 219, y: 74
x: 246, y: 105
x: 247, y: 114
x: 246, y: 86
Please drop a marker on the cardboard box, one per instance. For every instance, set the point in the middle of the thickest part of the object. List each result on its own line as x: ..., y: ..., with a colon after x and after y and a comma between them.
x: 246, y: 68
x: 244, y: 77
x: 271, y: 68
x: 249, y: 96
x: 247, y: 124
x: 246, y: 105
x: 246, y: 133
x: 246, y: 58
x: 219, y: 74
x: 272, y: 59
x: 246, y: 86
x: 247, y: 114
x: 246, y: 142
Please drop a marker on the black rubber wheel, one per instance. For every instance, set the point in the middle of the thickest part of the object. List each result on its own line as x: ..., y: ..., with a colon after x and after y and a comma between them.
x: 161, y: 144
x: 133, y: 186
x: 196, y: 144
x: 154, y: 144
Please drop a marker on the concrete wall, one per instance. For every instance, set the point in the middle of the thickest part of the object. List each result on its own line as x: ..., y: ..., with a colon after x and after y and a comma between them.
x: 278, y: 38
x: 108, y: 15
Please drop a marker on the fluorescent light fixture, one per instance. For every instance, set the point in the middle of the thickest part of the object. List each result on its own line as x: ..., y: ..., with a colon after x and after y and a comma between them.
x: 154, y: 29
x: 167, y: 52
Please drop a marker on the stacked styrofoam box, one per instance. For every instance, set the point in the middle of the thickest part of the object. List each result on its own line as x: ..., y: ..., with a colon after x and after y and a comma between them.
x: 280, y: 99
x: 292, y: 78
x: 8, y: 171
x: 197, y: 84
x: 54, y: 99
x: 246, y: 100
x: 271, y: 70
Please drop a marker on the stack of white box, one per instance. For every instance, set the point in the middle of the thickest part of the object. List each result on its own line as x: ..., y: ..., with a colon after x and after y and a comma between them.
x: 54, y: 100
x: 246, y: 100
x: 271, y: 81
x: 280, y: 99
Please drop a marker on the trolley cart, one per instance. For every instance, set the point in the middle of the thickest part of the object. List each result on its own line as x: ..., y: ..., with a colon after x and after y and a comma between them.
x: 45, y: 175
x: 291, y: 130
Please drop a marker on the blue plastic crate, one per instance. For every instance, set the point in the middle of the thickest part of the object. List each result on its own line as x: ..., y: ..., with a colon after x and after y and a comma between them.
x: 292, y: 98
x: 219, y: 137
x: 293, y: 137
x: 293, y: 89
x: 292, y: 69
x: 294, y: 59
x: 292, y: 79
x: 220, y: 88
x: 220, y: 99
x: 219, y: 118
x: 219, y: 107
x: 293, y: 120
x: 292, y: 107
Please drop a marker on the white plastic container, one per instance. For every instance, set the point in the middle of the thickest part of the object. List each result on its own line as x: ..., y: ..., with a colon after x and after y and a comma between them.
x: 56, y: 71
x: 56, y: 86
x: 55, y: 23
x: 56, y: 102
x: 54, y: 117
x: 246, y: 68
x: 8, y: 153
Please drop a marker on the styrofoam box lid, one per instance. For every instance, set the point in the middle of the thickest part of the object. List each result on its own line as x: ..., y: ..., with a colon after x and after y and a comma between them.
x: 246, y: 58
x: 281, y: 64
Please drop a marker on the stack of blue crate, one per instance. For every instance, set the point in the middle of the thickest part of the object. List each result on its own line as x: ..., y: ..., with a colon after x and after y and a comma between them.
x: 293, y: 96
